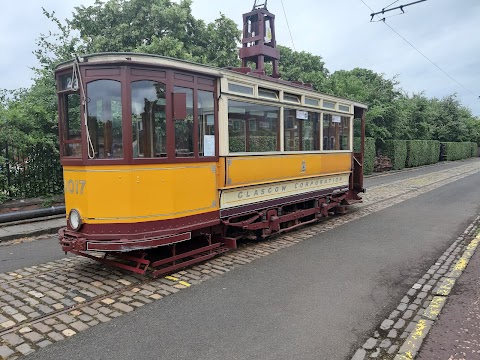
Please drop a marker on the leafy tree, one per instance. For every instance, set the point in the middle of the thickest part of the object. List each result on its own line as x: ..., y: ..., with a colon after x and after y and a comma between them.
x: 303, y: 66
x: 160, y: 27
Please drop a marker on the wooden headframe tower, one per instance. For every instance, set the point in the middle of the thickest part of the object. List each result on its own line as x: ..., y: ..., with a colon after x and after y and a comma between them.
x: 259, y: 43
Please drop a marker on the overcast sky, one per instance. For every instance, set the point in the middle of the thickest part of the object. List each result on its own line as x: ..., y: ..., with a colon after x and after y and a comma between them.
x: 446, y: 31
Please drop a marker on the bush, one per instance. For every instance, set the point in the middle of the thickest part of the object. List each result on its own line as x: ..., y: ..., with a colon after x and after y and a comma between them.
x: 369, y: 156
x: 459, y: 150
x: 422, y: 152
x: 396, y: 150
x: 370, y: 153
x: 474, y: 150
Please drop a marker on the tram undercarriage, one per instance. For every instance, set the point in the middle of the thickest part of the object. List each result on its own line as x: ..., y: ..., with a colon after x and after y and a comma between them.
x: 181, y: 250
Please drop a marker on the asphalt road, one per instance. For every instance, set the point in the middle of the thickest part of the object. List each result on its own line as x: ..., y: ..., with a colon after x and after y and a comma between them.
x: 319, y: 299
x: 383, y: 178
x: 15, y: 256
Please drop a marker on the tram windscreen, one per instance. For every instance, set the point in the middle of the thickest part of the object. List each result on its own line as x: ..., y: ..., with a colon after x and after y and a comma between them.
x: 105, y: 118
x: 149, y: 124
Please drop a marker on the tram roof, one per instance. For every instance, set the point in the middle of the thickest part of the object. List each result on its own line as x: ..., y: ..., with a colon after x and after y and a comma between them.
x: 179, y: 64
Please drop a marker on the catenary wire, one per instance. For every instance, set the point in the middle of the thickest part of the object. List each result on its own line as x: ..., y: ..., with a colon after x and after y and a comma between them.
x: 386, y: 7
x: 288, y: 26
x: 425, y: 56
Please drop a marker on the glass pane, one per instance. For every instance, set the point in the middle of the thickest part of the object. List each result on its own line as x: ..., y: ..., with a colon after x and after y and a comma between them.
x: 336, y: 132
x: 72, y: 125
x: 313, y: 102
x: 345, y: 108
x: 252, y: 127
x: 206, y: 123
x: 184, y: 128
x: 344, y: 134
x: 291, y: 98
x: 328, y: 104
x: 68, y: 82
x: 240, y: 89
x: 105, y: 118
x: 270, y: 94
x: 301, y: 130
x: 149, y: 124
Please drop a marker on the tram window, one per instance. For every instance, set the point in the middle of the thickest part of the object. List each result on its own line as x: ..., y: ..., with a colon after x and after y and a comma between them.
x: 149, y: 124
x: 336, y: 131
x: 312, y: 102
x: 291, y: 98
x: 184, y: 127
x: 242, y: 89
x: 206, y: 123
x: 301, y: 130
x: 72, y: 125
x: 105, y: 118
x: 267, y: 93
x: 253, y: 127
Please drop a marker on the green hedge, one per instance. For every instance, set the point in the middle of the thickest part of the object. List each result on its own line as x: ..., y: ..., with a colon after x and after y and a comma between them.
x: 474, y: 149
x: 422, y: 152
x: 370, y: 153
x: 459, y: 150
x: 396, y: 150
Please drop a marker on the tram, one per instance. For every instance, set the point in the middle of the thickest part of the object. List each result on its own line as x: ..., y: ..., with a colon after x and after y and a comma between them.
x: 167, y: 163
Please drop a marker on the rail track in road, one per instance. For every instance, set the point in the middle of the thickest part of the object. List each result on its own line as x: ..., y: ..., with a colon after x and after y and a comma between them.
x: 43, y: 304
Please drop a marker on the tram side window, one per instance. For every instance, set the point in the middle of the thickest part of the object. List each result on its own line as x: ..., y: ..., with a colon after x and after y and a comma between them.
x: 301, y: 130
x: 105, y: 118
x: 149, y: 124
x: 336, y: 132
x: 253, y: 127
x: 206, y: 123
x: 184, y: 127
x: 72, y: 137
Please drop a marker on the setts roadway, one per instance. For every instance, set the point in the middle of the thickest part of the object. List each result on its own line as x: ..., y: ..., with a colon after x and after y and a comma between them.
x: 319, y: 299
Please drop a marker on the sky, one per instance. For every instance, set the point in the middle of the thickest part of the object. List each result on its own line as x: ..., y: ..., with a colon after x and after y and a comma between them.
x: 445, y: 31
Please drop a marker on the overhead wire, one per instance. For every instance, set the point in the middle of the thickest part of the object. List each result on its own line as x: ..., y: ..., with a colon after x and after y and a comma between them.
x: 386, y: 7
x: 388, y: 17
x: 288, y: 26
x: 421, y: 53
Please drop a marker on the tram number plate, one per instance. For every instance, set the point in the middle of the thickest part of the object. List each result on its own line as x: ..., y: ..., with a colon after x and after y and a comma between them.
x: 74, y: 186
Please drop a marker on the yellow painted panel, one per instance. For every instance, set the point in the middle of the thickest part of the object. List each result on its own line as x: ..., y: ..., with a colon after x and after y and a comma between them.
x: 129, y: 194
x: 247, y: 170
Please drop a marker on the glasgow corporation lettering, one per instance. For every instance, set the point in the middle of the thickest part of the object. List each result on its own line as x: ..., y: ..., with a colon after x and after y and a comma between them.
x: 251, y: 194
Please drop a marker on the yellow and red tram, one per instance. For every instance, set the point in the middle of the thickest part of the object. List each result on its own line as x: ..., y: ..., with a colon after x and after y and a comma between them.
x: 183, y: 158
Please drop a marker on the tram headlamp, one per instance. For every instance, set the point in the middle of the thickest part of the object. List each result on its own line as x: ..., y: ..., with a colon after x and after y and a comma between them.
x: 75, y: 220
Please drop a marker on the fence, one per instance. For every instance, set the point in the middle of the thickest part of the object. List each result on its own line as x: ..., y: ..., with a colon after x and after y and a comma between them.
x: 29, y: 172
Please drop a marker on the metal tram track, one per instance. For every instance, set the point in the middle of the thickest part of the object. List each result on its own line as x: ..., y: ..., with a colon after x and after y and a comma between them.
x: 91, y: 268
x: 76, y: 307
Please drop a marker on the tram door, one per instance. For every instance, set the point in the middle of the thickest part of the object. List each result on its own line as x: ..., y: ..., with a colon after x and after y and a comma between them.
x: 358, y: 148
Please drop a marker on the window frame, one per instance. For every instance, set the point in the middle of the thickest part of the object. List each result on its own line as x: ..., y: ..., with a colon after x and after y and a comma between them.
x: 247, y: 124
x: 123, y: 73
x: 350, y: 132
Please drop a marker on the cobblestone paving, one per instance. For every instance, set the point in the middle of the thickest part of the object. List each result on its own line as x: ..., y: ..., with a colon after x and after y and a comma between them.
x: 43, y: 304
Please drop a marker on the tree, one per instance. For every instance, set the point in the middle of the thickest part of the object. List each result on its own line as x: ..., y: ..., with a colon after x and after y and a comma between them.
x: 160, y: 27
x: 302, y: 66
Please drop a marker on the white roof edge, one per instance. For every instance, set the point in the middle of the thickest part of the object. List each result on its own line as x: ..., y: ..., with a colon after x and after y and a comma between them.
x: 194, y: 67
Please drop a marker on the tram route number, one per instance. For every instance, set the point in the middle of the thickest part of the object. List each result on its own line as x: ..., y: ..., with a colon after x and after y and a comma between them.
x: 74, y: 186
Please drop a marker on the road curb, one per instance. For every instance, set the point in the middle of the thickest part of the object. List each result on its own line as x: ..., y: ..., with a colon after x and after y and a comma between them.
x: 401, y: 335
x: 11, y: 237
x: 415, y: 340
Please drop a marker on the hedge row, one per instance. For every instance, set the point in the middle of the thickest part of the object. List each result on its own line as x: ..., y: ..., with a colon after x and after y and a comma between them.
x: 369, y: 155
x: 459, y: 150
x: 422, y: 152
x: 396, y: 150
